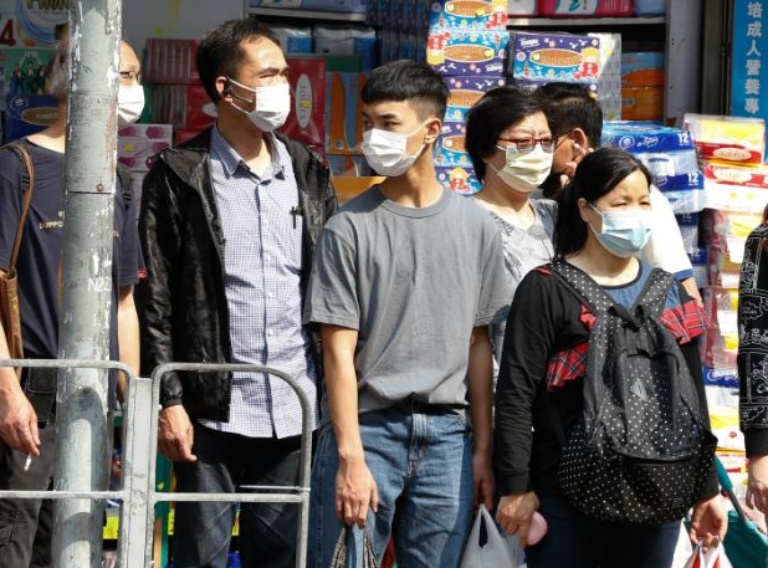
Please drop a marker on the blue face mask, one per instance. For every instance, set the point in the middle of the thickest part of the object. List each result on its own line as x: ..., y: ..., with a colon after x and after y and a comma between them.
x: 624, y: 233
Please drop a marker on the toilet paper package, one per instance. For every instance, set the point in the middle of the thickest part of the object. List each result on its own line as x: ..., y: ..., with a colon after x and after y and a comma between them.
x: 669, y: 154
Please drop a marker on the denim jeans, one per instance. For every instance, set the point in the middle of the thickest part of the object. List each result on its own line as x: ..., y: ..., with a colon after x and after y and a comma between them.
x: 575, y: 541
x: 421, y: 459
x: 224, y: 463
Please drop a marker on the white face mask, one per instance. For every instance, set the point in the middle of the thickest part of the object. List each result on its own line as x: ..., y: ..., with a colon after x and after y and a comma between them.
x: 272, y: 105
x: 524, y: 172
x: 387, y: 152
x: 130, y: 104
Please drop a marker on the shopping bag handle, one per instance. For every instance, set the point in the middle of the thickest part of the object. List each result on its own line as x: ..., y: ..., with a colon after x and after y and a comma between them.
x: 725, y: 482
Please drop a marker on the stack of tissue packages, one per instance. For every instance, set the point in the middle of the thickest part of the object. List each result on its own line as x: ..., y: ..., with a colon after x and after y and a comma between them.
x: 467, y: 44
x: 592, y: 60
x: 731, y: 152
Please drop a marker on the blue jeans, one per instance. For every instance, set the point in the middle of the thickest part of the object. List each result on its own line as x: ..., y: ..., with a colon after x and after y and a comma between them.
x: 421, y: 459
x: 225, y: 462
x: 575, y: 541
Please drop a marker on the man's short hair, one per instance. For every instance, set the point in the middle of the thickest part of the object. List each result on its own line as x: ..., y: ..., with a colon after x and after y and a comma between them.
x: 570, y: 106
x: 499, y: 109
x: 220, y: 52
x: 410, y: 81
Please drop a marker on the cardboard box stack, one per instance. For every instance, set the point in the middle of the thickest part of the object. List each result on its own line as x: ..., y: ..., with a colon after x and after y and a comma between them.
x: 467, y: 44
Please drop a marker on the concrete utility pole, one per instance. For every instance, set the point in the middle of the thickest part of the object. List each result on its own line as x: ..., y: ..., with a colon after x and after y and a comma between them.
x: 87, y: 278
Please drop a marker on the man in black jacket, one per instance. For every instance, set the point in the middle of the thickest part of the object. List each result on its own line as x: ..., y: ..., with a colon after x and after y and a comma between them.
x: 229, y: 222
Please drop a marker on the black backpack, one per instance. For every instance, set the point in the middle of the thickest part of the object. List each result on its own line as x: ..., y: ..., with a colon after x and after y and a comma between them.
x: 640, y: 452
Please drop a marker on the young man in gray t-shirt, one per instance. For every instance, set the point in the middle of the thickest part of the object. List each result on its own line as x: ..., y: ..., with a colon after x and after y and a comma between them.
x: 405, y: 281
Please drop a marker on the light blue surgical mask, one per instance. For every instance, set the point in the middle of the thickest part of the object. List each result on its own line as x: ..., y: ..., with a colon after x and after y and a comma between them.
x: 624, y: 233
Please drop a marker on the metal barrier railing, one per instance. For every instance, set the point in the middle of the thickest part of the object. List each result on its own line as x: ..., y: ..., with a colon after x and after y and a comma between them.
x: 138, y: 496
x: 131, y: 492
x: 281, y: 494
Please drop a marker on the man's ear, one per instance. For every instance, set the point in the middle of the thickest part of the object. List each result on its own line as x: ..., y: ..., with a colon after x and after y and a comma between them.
x: 580, y: 138
x: 434, y: 128
x: 223, y: 87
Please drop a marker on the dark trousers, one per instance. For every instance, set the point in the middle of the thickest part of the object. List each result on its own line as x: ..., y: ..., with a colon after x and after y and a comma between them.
x: 25, y: 524
x: 574, y: 541
x: 268, y: 531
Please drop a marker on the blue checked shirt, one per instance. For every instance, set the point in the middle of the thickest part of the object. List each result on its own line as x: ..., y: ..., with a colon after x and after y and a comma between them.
x: 263, y: 263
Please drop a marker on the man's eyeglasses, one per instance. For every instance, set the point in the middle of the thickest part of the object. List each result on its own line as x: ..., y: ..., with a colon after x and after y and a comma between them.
x: 130, y: 75
x: 526, y: 145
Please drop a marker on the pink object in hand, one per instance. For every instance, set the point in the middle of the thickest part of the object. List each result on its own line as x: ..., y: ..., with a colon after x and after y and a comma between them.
x: 537, y: 530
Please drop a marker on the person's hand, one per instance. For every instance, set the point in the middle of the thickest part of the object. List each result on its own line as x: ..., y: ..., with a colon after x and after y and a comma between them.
x: 515, y: 513
x: 693, y: 290
x: 356, y: 492
x: 569, y: 171
x: 483, y: 478
x: 175, y: 434
x: 757, y: 486
x: 18, y: 421
x: 709, y: 521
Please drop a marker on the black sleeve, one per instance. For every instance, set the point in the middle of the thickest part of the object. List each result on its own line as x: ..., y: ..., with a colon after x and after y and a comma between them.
x: 159, y: 233
x: 532, y: 326
x: 752, y: 359
x: 690, y: 351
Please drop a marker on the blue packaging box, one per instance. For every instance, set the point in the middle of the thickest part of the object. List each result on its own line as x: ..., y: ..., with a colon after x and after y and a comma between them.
x: 635, y: 137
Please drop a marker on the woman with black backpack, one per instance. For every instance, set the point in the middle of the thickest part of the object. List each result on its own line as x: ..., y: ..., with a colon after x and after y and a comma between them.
x: 600, y: 362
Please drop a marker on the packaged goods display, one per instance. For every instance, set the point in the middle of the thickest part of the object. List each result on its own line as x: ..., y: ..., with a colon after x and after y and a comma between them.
x: 171, y: 61
x: 585, y: 8
x: 307, y: 120
x: 727, y: 139
x: 458, y: 178
x: 555, y: 57
x: 295, y: 40
x: 465, y: 92
x: 476, y: 15
x: 338, y: 40
x: 467, y: 52
x: 669, y: 154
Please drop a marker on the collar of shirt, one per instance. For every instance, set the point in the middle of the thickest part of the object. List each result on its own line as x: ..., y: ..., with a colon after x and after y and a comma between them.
x: 231, y: 161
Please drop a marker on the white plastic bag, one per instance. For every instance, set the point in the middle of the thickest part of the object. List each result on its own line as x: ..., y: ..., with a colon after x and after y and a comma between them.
x: 713, y: 557
x: 493, y: 553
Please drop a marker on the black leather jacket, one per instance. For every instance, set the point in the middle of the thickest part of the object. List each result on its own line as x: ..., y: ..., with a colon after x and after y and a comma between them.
x: 182, y: 304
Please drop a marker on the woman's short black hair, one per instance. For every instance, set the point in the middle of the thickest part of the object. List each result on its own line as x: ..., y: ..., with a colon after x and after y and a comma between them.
x: 499, y: 109
x: 597, y: 174
x: 411, y: 81
x: 220, y: 52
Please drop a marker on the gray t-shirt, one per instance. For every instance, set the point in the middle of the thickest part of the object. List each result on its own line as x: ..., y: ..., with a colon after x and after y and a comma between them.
x: 413, y: 282
x: 524, y: 250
